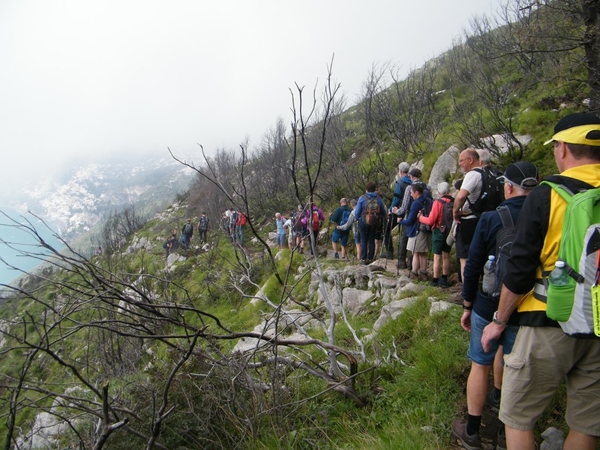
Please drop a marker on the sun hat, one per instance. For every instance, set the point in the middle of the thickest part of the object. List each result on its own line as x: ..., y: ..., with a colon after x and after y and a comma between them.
x: 578, y: 128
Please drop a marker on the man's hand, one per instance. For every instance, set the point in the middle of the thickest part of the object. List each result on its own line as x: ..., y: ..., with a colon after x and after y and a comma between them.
x: 465, y: 320
x: 491, y: 332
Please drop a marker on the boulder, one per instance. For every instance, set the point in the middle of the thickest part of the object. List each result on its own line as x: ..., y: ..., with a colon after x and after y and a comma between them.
x: 392, y: 311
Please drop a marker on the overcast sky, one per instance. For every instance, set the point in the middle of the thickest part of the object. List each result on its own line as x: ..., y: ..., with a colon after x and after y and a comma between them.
x: 90, y: 77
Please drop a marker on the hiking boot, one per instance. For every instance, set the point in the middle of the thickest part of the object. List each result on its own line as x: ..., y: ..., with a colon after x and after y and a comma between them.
x: 413, y: 275
x: 501, y: 439
x: 443, y: 283
x: 492, y: 401
x: 362, y: 262
x: 435, y: 282
x: 336, y: 256
x: 423, y: 275
x: 388, y: 255
x: 459, y: 429
x: 401, y: 265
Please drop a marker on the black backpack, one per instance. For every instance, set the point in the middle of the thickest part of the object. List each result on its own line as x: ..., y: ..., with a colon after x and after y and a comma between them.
x: 427, y: 201
x: 203, y: 223
x: 447, y: 213
x: 492, y: 192
x: 504, y: 241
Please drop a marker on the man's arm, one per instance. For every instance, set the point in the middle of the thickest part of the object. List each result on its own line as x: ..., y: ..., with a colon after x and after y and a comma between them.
x: 405, y: 201
x: 508, y: 303
x: 459, y: 201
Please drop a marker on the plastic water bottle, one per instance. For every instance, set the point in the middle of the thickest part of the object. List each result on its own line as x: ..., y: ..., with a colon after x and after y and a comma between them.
x: 489, y: 275
x: 559, y: 275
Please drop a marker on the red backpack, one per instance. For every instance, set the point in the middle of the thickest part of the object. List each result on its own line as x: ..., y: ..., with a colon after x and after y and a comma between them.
x: 315, y: 220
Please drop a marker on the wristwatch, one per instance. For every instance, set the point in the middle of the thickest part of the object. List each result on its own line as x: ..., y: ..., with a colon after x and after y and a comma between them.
x: 498, y: 321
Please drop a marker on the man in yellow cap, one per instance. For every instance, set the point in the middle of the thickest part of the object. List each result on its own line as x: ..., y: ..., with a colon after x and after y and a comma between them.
x: 543, y: 354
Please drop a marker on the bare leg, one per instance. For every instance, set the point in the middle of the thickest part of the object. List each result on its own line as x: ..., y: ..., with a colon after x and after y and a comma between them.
x: 519, y: 440
x: 498, y: 368
x: 437, y: 266
x: 422, y: 261
x: 477, y: 388
x: 445, y: 263
x: 415, y: 262
x: 579, y: 441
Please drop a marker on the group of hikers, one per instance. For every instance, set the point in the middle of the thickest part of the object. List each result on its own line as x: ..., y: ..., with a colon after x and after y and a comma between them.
x: 531, y: 291
x: 187, y: 232
x: 529, y: 275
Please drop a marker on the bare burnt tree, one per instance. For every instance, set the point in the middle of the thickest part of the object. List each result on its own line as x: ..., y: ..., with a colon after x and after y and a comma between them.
x: 306, y: 145
x: 485, y: 88
x: 118, y: 226
x: 559, y: 40
x: 268, y: 173
x: 403, y: 114
x: 418, y: 120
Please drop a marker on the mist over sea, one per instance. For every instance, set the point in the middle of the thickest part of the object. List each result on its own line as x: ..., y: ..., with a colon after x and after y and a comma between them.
x: 14, y: 242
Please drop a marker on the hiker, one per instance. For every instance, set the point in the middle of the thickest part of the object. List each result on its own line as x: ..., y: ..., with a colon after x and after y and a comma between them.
x: 340, y: 217
x: 203, y: 227
x: 468, y: 194
x: 240, y: 227
x: 419, y: 240
x: 379, y: 232
x: 353, y: 223
x: 370, y: 212
x: 313, y: 219
x: 280, y: 236
x: 402, y: 182
x: 440, y: 220
x: 401, y: 211
x: 186, y: 233
x: 479, y: 307
x: 233, y: 217
x: 225, y: 223
x: 299, y: 230
x: 545, y: 354
x: 170, y: 244
x: 288, y: 226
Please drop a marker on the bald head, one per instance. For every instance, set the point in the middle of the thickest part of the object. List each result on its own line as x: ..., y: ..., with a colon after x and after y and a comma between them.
x: 468, y: 159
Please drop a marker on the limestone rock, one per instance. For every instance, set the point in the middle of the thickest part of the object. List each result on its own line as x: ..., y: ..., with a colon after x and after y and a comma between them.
x: 392, y: 311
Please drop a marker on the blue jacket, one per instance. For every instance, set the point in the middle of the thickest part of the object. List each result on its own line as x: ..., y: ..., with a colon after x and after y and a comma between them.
x: 401, y: 185
x: 362, y: 202
x: 411, y: 221
x: 483, y: 245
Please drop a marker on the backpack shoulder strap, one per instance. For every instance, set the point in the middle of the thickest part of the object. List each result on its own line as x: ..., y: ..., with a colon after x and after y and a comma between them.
x: 566, y: 187
x: 505, y: 216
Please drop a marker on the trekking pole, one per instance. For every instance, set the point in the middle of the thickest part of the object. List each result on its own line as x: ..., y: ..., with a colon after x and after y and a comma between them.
x: 400, y: 230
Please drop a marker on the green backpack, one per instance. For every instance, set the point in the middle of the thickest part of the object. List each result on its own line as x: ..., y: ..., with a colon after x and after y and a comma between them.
x: 572, y: 305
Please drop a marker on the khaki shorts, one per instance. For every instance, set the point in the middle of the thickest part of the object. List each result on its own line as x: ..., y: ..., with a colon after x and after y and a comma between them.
x: 540, y: 359
x: 421, y: 243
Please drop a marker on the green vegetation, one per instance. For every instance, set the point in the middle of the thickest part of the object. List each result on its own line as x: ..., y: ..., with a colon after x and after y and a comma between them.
x: 139, y: 349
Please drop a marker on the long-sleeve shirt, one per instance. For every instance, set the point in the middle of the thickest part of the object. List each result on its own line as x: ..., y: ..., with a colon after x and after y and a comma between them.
x: 411, y: 221
x: 483, y: 245
x: 406, y: 201
x: 400, y: 191
x: 434, y: 219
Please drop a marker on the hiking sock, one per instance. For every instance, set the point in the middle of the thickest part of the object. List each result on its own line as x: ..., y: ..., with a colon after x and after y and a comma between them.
x: 445, y: 277
x: 473, y: 424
